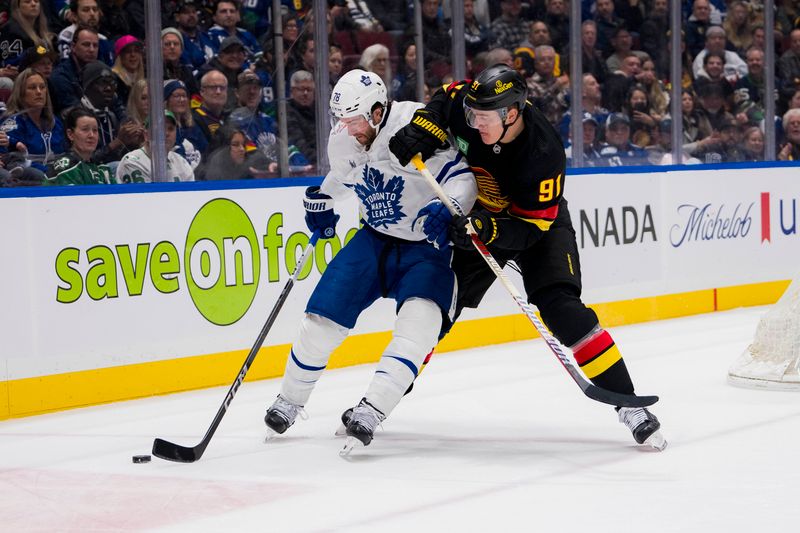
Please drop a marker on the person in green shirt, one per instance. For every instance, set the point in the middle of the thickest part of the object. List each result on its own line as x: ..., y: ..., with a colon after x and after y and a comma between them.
x: 77, y: 167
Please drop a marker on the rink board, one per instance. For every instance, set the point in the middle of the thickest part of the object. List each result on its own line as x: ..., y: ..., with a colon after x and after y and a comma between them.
x: 150, y: 289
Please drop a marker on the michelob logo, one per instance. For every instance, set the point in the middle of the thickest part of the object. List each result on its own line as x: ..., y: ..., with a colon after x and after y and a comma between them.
x: 502, y: 87
x: 220, y: 263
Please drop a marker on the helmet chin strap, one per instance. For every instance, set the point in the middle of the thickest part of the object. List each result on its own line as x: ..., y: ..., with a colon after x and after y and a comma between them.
x: 505, y: 128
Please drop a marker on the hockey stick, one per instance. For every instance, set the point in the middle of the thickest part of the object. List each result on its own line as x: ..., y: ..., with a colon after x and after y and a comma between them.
x: 182, y: 454
x: 592, y: 391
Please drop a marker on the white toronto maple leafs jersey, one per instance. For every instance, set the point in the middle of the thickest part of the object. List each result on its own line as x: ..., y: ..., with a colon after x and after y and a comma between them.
x: 391, y: 195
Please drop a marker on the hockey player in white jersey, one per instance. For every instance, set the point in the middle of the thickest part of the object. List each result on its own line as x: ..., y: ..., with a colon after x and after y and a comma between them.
x: 401, y: 252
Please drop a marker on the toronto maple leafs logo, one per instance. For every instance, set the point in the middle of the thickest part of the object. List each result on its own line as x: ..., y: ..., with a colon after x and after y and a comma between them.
x: 366, y: 81
x: 381, y: 198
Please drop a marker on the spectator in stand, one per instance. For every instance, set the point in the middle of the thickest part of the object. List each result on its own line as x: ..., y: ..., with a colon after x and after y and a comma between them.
x: 697, y: 132
x: 122, y: 18
x: 34, y: 132
x: 302, y: 55
x: 118, y: 134
x: 621, y: 43
x: 211, y: 113
x: 642, y: 124
x: 697, y: 25
x: 657, y: 94
x: 591, y: 100
x: 790, y: 151
x: 631, y: 13
x: 362, y: 16
x: 129, y: 64
x: 607, y: 21
x: 789, y: 63
x: 27, y: 26
x: 404, y: 84
x: 653, y: 31
x: 135, y: 166
x: 749, y: 93
x: 171, y: 50
x: 726, y: 149
x: 663, y: 67
x: 226, y: 17
x: 540, y: 35
x: 619, y: 83
x: 137, y: 106
x: 300, y: 115
x: 759, y: 36
x: 557, y: 19
x: 197, y: 47
x: 85, y: 13
x: 477, y: 36
x: 291, y: 31
x: 233, y: 160
x: 41, y: 60
x: 375, y: 58
x: 618, y: 150
x: 498, y: 55
x: 593, y: 62
x: 335, y: 63
x: 786, y: 17
x: 548, y: 93
x: 393, y: 15
x: 259, y: 127
x: 435, y: 33
x: 713, y: 72
x: 591, y: 144
x: 176, y: 99
x: 735, y: 67
x: 229, y: 61
x: 737, y: 26
x: 77, y: 166
x: 753, y: 144
x: 509, y: 29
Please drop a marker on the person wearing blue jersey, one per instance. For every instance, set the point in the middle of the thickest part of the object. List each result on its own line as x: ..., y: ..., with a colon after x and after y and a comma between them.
x: 402, y: 252
x: 226, y: 19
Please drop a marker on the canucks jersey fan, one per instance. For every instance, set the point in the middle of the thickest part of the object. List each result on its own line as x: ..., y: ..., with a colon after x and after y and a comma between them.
x: 401, y: 252
x: 519, y: 163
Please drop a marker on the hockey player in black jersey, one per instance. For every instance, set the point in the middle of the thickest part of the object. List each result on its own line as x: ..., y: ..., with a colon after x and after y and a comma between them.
x: 519, y: 163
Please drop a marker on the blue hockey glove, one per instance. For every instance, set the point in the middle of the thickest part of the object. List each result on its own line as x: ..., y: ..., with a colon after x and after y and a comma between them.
x: 435, y: 219
x: 485, y: 226
x: 319, y: 213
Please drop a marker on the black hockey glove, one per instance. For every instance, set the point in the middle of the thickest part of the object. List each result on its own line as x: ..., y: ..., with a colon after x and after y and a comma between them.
x: 485, y: 226
x: 420, y: 136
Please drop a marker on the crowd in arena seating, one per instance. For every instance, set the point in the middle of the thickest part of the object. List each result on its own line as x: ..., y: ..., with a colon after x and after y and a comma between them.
x: 75, y: 107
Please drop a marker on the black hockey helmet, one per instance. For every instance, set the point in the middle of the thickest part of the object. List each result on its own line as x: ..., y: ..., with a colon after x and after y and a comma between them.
x: 498, y: 86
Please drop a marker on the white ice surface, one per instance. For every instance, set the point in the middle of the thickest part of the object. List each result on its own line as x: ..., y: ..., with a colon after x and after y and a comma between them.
x: 492, y: 439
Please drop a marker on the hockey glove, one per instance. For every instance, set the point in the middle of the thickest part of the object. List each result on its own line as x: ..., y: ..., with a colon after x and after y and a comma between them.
x: 435, y: 220
x: 319, y: 213
x: 485, y: 226
x: 421, y: 136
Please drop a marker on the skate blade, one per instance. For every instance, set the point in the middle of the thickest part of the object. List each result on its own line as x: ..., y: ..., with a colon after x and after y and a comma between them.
x: 656, y: 441
x: 271, y: 434
x: 349, y: 444
x: 341, y: 431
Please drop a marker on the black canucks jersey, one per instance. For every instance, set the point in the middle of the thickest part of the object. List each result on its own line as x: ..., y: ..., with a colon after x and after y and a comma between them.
x: 520, y: 182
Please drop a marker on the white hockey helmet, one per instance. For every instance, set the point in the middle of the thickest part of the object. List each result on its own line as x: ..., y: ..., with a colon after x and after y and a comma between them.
x: 357, y: 93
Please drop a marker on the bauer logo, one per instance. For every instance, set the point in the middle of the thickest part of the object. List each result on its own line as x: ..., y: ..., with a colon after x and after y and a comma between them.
x: 222, y: 262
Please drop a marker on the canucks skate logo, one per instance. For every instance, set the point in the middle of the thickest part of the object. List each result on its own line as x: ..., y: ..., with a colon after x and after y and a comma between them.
x: 380, y: 198
x: 366, y: 81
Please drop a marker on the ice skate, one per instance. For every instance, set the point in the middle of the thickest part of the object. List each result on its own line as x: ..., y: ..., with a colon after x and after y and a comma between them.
x: 280, y: 416
x: 361, y: 426
x: 644, y: 426
x: 341, y: 431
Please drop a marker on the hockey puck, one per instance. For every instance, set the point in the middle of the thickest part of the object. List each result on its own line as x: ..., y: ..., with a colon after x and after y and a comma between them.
x: 141, y: 458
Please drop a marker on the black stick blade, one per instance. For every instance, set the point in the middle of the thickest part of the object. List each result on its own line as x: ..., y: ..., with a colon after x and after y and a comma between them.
x: 175, y: 452
x: 618, y: 399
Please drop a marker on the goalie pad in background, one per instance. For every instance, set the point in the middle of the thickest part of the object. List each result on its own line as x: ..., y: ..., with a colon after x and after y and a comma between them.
x: 772, y: 361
